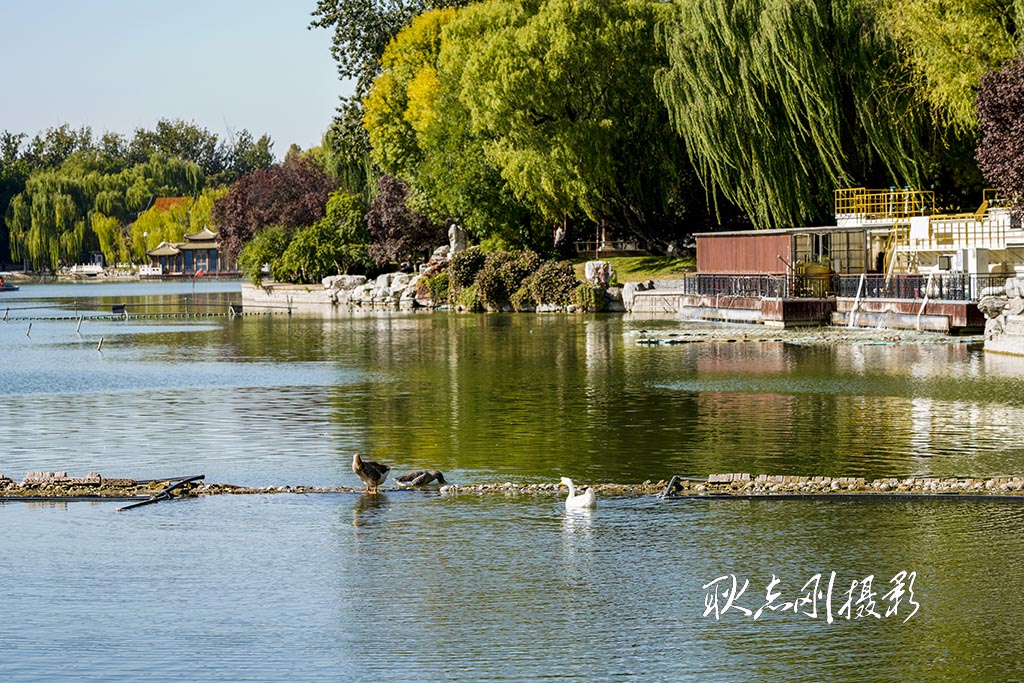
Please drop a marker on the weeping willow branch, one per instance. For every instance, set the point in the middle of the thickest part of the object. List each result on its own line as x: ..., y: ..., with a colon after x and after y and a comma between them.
x: 782, y: 101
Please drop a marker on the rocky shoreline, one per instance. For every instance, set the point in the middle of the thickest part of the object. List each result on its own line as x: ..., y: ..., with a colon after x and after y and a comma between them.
x: 57, y: 485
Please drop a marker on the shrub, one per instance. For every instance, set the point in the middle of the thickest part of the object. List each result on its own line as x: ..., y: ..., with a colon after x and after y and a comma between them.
x: 553, y: 283
x: 436, y: 286
x: 267, y: 246
x: 588, y: 297
x: 523, y: 299
x: 469, y: 299
x: 464, y: 267
x: 502, y: 275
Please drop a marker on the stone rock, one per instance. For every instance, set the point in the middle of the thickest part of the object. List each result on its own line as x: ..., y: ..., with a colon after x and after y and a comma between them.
x: 990, y: 304
x: 629, y: 291
x: 456, y: 239
x: 993, y: 327
x: 440, y: 254
x: 352, y: 281
x: 1012, y: 288
x: 598, y: 272
x: 993, y: 291
x: 399, y: 282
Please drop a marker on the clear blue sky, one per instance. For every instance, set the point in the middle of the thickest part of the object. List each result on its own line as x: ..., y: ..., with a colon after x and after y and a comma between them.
x: 118, y: 65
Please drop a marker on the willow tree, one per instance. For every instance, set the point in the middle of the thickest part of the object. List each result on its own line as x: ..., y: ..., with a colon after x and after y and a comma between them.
x: 562, y: 93
x: 49, y: 221
x: 951, y: 44
x: 782, y: 101
x: 421, y: 133
x: 52, y: 221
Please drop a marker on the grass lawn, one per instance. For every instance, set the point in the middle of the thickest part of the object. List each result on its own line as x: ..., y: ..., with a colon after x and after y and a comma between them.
x: 640, y: 268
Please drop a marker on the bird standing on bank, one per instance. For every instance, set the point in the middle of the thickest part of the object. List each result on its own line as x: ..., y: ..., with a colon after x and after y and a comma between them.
x: 587, y: 500
x: 372, y: 473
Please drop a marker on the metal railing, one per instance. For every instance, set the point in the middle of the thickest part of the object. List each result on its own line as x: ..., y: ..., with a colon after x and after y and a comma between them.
x: 597, y: 246
x: 760, y: 286
x: 940, y: 286
x: 883, y: 204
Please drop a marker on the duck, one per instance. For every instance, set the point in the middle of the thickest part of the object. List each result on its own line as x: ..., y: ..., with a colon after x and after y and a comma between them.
x: 372, y: 473
x: 587, y: 500
x: 420, y: 478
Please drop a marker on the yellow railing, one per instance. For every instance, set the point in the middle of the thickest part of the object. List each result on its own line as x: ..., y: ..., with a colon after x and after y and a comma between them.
x: 883, y: 204
x: 950, y: 231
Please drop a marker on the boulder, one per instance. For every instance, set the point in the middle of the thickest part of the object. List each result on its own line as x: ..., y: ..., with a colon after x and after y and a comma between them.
x: 629, y: 291
x: 598, y: 272
x: 398, y: 283
x: 992, y: 306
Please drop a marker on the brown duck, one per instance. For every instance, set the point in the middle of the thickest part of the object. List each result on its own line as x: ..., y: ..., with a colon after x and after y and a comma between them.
x: 372, y: 473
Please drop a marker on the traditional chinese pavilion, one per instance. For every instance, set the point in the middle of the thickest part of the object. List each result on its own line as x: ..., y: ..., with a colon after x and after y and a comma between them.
x: 199, y: 251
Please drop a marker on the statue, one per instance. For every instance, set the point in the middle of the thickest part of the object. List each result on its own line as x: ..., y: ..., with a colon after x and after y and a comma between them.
x: 456, y: 239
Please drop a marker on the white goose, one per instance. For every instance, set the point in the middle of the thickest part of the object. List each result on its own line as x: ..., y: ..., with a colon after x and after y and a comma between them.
x: 584, y: 501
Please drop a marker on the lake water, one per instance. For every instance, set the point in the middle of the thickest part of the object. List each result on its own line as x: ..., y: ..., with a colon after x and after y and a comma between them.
x: 411, y: 586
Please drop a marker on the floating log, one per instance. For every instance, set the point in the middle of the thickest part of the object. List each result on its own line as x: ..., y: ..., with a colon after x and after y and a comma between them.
x: 166, y: 494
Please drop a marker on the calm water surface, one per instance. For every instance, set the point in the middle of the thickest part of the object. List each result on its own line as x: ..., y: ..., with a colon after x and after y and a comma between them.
x: 412, y: 586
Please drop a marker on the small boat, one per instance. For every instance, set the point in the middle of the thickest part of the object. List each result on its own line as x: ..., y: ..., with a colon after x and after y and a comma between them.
x: 8, y: 287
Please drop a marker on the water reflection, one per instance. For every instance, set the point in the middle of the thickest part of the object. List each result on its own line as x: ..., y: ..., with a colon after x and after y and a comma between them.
x: 369, y: 509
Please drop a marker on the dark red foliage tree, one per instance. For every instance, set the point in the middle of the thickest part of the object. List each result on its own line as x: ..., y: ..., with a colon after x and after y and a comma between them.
x: 1000, y: 153
x: 397, y: 232
x: 293, y: 194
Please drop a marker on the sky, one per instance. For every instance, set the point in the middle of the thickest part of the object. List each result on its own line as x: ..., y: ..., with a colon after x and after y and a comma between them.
x: 118, y: 65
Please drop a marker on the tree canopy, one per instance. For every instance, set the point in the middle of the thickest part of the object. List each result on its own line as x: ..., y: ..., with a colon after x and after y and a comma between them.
x: 951, y: 44
x: 51, y: 221
x: 65, y: 190
x: 508, y: 116
x: 782, y: 101
x: 1001, y: 115
x: 292, y: 194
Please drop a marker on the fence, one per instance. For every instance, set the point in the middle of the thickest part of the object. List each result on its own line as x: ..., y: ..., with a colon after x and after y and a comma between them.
x: 945, y: 286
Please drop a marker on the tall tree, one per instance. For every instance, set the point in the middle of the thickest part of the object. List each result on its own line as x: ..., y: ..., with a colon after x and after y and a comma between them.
x: 362, y: 30
x: 1001, y: 116
x: 951, y: 44
x: 782, y: 101
x: 293, y: 194
x: 562, y: 90
x: 397, y: 231
x: 179, y: 139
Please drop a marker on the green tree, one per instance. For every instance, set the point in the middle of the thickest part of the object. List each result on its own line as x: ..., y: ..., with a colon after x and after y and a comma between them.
x: 782, y: 101
x: 361, y: 31
x: 338, y: 243
x: 951, y: 44
x: 562, y: 91
x: 265, y: 248
x: 51, y: 220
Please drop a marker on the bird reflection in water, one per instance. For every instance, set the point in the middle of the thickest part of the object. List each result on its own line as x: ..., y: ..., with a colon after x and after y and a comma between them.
x: 369, y: 510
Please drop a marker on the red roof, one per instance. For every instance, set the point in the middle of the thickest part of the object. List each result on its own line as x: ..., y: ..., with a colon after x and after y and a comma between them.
x: 168, y: 203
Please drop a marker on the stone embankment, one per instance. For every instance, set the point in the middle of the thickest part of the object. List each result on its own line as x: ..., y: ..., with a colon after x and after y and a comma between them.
x: 1003, y: 307
x: 397, y: 291
x: 93, y: 486
x: 390, y: 290
x: 767, y: 484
